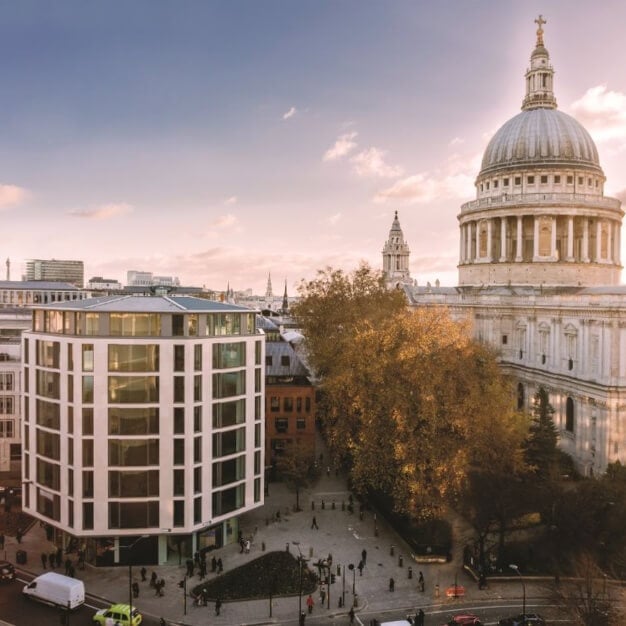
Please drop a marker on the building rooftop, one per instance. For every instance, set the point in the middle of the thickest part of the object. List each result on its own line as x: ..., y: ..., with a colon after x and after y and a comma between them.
x: 147, y: 304
x: 37, y: 284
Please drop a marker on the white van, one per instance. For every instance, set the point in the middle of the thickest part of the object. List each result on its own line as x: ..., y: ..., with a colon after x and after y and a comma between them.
x: 57, y: 590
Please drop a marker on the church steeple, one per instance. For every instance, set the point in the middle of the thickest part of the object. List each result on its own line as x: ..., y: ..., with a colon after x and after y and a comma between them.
x: 268, y: 290
x: 285, y: 299
x: 539, y: 76
x: 396, y: 255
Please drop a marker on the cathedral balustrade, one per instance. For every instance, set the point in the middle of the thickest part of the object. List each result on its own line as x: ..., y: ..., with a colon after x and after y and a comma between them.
x: 554, y: 199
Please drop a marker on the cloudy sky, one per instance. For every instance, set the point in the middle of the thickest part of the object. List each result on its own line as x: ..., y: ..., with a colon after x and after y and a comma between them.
x: 219, y: 141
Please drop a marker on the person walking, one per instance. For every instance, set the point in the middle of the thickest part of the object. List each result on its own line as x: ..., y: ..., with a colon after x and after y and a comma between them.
x: 220, y: 566
x: 19, y: 535
x: 247, y: 546
x: 213, y: 564
x: 314, y: 524
x: 44, y: 559
x: 218, y: 605
x: 392, y: 584
x: 351, y: 615
x: 420, y: 582
x: 135, y: 588
x: 322, y: 594
x: 360, y: 568
x: 143, y: 572
x: 364, y: 556
x: 153, y: 579
x: 68, y: 564
x: 310, y: 603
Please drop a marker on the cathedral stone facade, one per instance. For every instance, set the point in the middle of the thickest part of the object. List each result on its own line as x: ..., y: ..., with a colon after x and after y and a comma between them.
x: 539, y: 271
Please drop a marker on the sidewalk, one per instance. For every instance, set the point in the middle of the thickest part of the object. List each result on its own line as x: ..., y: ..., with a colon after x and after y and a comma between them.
x: 340, y: 533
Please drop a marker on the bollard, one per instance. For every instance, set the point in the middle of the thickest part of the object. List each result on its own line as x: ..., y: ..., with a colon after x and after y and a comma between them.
x: 323, y: 505
x: 287, y: 546
x: 410, y: 572
x: 392, y: 551
x: 400, y: 561
x: 263, y: 546
x: 312, y: 505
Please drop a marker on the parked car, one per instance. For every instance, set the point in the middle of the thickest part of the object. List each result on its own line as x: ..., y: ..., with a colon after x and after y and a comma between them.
x: 464, y: 619
x: 119, y: 613
x: 7, y: 572
x: 530, y: 619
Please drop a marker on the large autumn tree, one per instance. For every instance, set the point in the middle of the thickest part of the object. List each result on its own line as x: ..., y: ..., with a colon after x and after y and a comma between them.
x: 410, y: 400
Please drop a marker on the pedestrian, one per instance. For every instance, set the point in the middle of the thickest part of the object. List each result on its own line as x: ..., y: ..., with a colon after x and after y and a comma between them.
x: 162, y: 622
x: 310, y: 603
x: 220, y: 566
x: 160, y: 586
x: 482, y: 581
x: 196, y: 557
x: 364, y: 556
x: 71, y: 571
x: 153, y: 579
x: 52, y: 559
x: 242, y: 545
x: 314, y: 524
x: 2, y: 541
x: 360, y: 568
x: 213, y: 564
x: 218, y: 605
x: 202, y: 571
x: 392, y: 584
x: 135, y: 589
x: 351, y: 615
x: 247, y: 546
x: 322, y: 593
x: 420, y: 582
x: 189, y: 564
x: 44, y: 559
x: 420, y: 618
x: 81, y: 558
x: 144, y: 571
x: 68, y: 564
x: 19, y: 535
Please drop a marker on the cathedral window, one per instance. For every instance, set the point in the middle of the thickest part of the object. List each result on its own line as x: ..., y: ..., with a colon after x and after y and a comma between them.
x: 505, y: 182
x: 545, y: 237
x: 495, y: 184
x: 589, y: 182
x: 569, y: 415
x: 570, y: 180
x: 518, y: 180
x: 531, y: 180
x: 557, y: 180
x: 482, y: 240
x: 487, y: 186
x: 544, y: 180
x: 580, y: 180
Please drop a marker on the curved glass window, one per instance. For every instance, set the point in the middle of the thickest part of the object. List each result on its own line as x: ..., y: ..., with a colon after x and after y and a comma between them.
x: 133, y: 389
x: 134, y: 358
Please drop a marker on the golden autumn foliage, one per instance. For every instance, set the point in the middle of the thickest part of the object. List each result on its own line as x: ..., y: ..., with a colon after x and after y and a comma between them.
x: 408, y: 398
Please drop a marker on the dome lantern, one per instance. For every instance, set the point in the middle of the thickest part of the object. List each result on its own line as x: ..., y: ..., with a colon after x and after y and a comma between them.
x: 540, y: 76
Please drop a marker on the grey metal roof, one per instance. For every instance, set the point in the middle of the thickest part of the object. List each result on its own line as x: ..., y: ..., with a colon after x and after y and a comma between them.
x: 278, y: 349
x: 47, y: 285
x: 540, y: 136
x: 148, y: 304
x: 265, y: 323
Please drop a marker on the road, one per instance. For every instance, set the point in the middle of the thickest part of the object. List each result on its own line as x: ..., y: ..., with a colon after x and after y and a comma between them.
x: 17, y: 610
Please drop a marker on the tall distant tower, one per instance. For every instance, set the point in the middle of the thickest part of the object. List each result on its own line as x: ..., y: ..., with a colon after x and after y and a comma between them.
x: 396, y: 256
x: 285, y: 299
x: 8, y: 269
x: 268, y: 290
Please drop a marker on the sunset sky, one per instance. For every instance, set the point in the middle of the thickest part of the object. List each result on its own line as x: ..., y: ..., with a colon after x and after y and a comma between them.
x: 222, y: 141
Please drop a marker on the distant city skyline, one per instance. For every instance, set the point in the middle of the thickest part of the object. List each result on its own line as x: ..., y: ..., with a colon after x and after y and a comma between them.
x: 223, y: 141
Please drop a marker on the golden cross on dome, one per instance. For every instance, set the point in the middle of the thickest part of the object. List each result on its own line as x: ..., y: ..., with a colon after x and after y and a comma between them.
x: 540, y: 22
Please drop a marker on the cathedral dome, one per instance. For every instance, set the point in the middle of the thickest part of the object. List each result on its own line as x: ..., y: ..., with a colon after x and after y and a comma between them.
x: 540, y: 137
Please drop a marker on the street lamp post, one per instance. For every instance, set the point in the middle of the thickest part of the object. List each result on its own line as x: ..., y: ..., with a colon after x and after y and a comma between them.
x: 515, y: 568
x: 351, y: 567
x: 301, y: 561
x: 343, y: 586
x: 130, y: 573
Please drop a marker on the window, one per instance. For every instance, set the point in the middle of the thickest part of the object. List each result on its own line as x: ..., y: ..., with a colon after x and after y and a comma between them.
x: 178, y: 325
x: 135, y: 324
x: 6, y: 381
x: 179, y: 512
x: 274, y: 404
x: 257, y: 346
x: 48, y: 384
x: 229, y: 413
x: 570, y: 180
x: 197, y: 388
x: 197, y: 358
x: 229, y: 500
x: 88, y: 484
x: 88, y: 515
x: 530, y: 180
x: 226, y: 355
x: 179, y: 420
x: 134, y: 514
x: 133, y: 484
x: 227, y: 384
x: 179, y: 482
x: 48, y: 474
x: 229, y: 442
x: 88, y: 421
x: 7, y: 405
x: 288, y: 404
x: 285, y: 360
x: 88, y: 357
x: 505, y: 339
x: 580, y: 180
x: 179, y: 451
x: 49, y: 444
x: 197, y: 419
x: 495, y: 184
x: 544, y: 180
x: 307, y: 405
x: 87, y: 452
x: 132, y: 358
x: 505, y: 182
x: 557, y: 180
x: 268, y: 360
x: 299, y: 405
x: 230, y: 471
x: 487, y: 185
x: 133, y: 389
x: 135, y: 421
x: 133, y: 452
x: 197, y: 450
x: 589, y: 182
x: 281, y: 424
x: 300, y: 423
x: 48, y: 353
x: 518, y: 181
x: 179, y: 358
x: 569, y: 415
